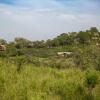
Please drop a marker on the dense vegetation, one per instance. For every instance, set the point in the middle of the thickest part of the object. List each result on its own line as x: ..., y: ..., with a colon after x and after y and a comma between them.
x: 31, y: 70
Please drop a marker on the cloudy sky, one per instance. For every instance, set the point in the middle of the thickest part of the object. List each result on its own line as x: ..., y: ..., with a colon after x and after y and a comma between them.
x: 43, y: 19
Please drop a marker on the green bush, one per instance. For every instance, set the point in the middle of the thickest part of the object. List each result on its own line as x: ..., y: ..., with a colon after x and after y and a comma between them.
x: 19, y: 61
x: 91, y: 80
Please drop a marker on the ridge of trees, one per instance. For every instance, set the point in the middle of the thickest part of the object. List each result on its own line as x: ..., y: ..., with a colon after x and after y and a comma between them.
x: 73, y: 38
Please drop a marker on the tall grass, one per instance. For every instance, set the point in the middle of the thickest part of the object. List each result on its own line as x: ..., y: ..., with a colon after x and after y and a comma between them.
x: 43, y: 83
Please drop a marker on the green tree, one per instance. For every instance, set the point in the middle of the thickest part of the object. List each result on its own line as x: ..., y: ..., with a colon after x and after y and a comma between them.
x: 39, y: 44
x: 95, y: 35
x: 49, y: 43
x: 83, y: 37
x: 3, y: 42
x: 21, y: 42
x: 94, y: 29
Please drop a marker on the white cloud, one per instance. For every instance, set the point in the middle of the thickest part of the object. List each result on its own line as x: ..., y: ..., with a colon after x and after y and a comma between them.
x: 42, y: 23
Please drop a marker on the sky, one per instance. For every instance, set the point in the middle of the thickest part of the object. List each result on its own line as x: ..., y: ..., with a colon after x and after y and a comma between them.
x: 44, y: 19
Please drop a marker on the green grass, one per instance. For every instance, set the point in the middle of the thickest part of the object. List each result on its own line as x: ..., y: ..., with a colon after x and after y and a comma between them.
x: 43, y: 83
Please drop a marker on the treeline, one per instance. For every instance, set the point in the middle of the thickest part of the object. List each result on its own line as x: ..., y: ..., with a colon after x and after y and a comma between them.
x: 91, y: 36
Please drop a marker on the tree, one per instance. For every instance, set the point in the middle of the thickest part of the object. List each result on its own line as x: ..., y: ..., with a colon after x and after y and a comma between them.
x: 39, y: 44
x: 63, y: 39
x: 3, y: 42
x: 95, y: 35
x: 94, y: 30
x: 21, y: 42
x: 49, y: 43
x: 83, y: 37
x: 55, y: 42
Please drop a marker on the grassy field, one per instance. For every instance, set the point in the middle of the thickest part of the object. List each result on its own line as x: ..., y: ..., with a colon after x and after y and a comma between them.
x: 45, y: 83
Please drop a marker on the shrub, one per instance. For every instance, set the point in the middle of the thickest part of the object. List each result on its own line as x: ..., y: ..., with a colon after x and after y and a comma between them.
x: 91, y: 80
x: 3, y: 54
x: 20, y: 60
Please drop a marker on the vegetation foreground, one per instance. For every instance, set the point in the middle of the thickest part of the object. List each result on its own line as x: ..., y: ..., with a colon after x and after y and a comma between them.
x: 44, y: 83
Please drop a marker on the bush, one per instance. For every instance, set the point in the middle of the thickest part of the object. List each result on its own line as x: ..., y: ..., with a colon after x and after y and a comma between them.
x: 3, y: 54
x: 19, y: 61
x: 91, y: 80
